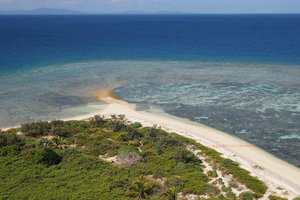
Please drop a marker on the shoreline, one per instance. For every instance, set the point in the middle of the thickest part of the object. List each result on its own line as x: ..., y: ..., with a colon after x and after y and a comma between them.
x: 270, y: 169
x: 273, y: 171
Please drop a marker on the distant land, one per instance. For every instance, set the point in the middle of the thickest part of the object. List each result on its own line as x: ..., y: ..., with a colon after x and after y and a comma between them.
x: 41, y: 11
x: 53, y: 11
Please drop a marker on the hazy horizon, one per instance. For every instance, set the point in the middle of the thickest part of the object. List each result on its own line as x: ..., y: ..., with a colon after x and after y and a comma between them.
x: 53, y: 11
x: 157, y: 6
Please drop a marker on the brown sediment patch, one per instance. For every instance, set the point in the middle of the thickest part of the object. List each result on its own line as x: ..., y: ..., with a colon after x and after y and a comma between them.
x: 107, y: 96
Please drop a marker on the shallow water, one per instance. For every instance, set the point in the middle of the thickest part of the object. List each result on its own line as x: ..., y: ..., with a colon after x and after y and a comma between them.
x: 258, y: 107
x: 257, y: 102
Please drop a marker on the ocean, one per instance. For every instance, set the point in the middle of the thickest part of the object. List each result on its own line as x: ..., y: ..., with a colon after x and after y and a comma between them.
x: 237, y: 73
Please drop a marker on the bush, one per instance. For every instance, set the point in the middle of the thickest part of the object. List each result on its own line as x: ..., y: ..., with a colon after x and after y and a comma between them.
x: 212, y: 173
x: 118, y: 123
x: 151, y: 134
x: 158, y: 150
x: 296, y: 198
x: 60, y: 131
x: 123, y: 136
x: 186, y: 156
x: 57, y: 123
x: 47, y: 157
x: 36, y: 129
x: 167, y: 141
x: 136, y: 125
x: 230, y: 194
x: 8, y: 139
x: 196, y: 183
x: 246, y: 196
x: 256, y: 185
x: 97, y: 121
x: 274, y: 197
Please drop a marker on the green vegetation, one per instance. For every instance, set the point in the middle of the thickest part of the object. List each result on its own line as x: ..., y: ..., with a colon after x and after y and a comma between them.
x: 228, y: 166
x: 46, y: 156
x: 246, y: 196
x: 60, y: 160
x: 273, y: 197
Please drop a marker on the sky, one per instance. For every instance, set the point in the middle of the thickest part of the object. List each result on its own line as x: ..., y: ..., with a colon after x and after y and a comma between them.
x: 189, y: 6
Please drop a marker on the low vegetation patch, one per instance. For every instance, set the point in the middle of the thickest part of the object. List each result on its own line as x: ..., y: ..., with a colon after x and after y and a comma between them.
x: 61, y: 160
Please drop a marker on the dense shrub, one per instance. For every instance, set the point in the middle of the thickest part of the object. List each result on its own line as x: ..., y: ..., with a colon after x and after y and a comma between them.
x: 97, y: 121
x: 8, y: 139
x: 158, y: 150
x: 60, y: 131
x: 124, y: 136
x: 101, y: 147
x: 47, y: 157
x: 167, y: 141
x: 10, y: 150
x: 151, y: 134
x: 196, y: 183
x: 118, y: 123
x: 36, y: 129
x: 174, y: 181
x: 184, y: 155
x: 246, y: 196
x: 57, y: 123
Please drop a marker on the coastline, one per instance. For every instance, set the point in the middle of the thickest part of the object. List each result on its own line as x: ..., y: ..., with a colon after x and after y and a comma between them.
x: 273, y: 171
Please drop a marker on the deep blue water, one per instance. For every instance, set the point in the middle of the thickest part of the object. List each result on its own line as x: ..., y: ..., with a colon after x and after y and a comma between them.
x: 33, y: 41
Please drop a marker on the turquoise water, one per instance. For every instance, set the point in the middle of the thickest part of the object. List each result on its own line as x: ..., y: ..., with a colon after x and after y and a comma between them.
x: 239, y: 74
